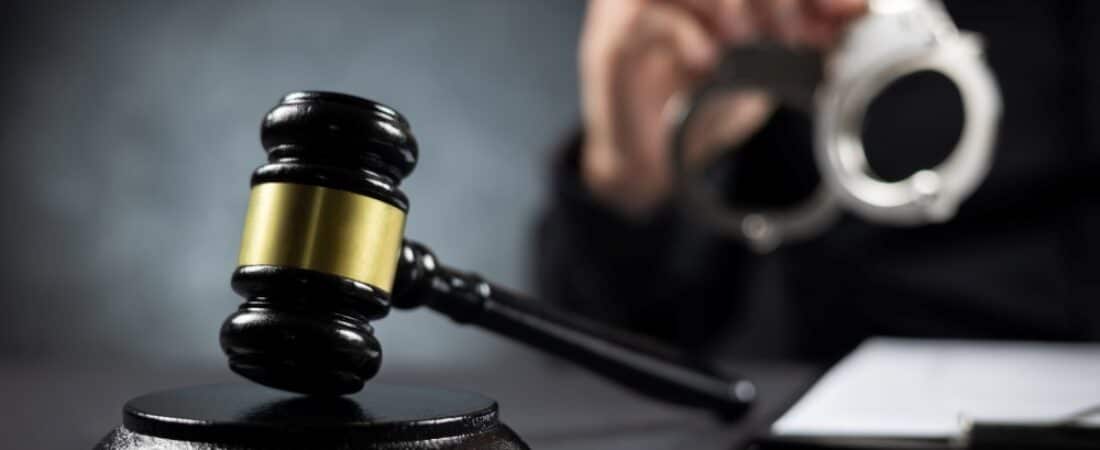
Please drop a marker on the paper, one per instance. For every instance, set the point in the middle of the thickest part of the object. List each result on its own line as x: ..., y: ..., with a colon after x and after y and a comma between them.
x: 907, y: 388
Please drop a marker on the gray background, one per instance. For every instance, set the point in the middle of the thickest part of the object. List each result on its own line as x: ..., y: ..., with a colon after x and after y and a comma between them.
x: 130, y: 131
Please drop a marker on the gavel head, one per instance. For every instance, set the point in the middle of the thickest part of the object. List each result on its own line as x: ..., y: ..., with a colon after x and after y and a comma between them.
x: 321, y: 243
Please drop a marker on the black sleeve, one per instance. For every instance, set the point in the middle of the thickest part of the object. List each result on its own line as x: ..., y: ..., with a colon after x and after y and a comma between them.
x: 593, y: 261
x: 668, y: 277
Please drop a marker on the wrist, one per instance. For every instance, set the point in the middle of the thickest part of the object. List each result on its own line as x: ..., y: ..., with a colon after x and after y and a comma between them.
x: 628, y: 188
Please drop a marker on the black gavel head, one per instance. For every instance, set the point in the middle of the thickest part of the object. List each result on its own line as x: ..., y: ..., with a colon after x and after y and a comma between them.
x: 321, y: 243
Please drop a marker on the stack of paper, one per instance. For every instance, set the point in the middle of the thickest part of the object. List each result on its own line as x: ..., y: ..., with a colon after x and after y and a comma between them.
x: 929, y: 389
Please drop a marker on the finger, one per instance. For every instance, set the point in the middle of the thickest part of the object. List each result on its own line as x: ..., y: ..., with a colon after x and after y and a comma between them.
x: 725, y: 121
x: 789, y: 20
x: 818, y: 29
x: 681, y: 32
x: 705, y: 11
x: 781, y: 19
x: 736, y: 22
x: 604, y: 38
x: 840, y: 9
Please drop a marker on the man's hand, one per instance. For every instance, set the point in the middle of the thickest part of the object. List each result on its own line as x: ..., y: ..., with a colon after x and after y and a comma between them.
x: 636, y: 55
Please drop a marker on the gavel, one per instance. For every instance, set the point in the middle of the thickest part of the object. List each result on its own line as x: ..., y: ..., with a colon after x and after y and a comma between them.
x: 323, y: 254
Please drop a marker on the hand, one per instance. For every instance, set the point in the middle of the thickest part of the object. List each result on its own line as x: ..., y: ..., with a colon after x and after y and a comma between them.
x: 637, y: 55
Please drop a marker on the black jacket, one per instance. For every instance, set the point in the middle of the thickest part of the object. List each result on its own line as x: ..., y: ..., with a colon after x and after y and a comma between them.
x: 1021, y: 260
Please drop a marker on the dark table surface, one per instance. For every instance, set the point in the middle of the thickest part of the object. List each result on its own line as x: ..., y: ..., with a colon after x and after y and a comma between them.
x: 549, y: 403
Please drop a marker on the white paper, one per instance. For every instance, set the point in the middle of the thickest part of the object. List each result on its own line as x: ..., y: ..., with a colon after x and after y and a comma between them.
x: 908, y: 388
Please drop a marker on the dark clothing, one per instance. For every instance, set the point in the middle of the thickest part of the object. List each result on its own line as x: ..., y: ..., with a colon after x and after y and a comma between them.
x: 1021, y: 259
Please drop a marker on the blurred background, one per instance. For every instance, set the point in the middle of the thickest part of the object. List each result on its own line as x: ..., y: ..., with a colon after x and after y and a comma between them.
x: 131, y: 129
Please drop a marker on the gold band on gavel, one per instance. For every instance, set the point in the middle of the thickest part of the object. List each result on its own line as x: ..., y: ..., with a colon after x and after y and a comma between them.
x: 322, y: 229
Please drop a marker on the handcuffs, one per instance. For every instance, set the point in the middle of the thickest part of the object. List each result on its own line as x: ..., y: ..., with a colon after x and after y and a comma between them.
x: 895, y: 39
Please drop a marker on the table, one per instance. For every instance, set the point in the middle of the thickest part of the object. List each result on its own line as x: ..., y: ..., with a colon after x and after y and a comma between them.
x: 550, y: 403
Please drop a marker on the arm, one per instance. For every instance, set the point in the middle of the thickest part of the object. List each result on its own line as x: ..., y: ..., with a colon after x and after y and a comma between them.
x: 597, y: 262
x: 666, y: 276
x: 611, y: 246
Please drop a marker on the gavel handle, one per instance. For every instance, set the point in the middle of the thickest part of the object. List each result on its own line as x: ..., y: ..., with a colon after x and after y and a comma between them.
x: 642, y: 365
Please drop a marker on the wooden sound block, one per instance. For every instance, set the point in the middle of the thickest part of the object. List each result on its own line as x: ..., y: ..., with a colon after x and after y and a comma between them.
x: 248, y: 416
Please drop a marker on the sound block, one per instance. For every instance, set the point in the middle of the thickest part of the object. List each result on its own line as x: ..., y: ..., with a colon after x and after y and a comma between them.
x: 247, y: 416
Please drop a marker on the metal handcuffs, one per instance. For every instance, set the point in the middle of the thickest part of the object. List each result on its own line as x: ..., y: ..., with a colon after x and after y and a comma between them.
x: 896, y: 38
